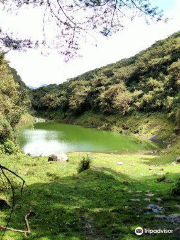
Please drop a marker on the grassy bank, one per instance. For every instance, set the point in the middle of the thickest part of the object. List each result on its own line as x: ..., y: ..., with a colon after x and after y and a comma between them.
x: 95, y: 204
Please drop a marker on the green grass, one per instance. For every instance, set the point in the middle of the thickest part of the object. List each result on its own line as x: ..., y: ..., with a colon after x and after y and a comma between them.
x: 94, y: 204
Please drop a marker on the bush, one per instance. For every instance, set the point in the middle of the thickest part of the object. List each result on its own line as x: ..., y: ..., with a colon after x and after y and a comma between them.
x: 6, y: 131
x: 176, y: 190
x: 10, y: 147
x: 1, y: 149
x: 84, y: 164
x: 161, y: 179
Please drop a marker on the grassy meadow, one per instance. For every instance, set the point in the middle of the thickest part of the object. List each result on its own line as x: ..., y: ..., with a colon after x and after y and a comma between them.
x: 95, y: 204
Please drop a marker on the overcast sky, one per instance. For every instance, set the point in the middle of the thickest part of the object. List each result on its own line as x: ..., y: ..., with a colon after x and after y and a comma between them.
x: 36, y: 69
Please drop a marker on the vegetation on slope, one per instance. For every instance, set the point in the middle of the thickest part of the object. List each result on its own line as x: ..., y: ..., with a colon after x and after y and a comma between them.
x: 13, y: 101
x: 148, y: 82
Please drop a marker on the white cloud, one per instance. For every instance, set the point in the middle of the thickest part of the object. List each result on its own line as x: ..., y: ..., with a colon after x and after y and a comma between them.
x: 36, y: 69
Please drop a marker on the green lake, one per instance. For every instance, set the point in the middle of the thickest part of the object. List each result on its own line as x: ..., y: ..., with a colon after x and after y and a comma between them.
x: 48, y: 137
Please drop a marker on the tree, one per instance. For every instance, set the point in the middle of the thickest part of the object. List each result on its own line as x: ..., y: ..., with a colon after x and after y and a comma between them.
x: 78, y: 98
x: 116, y: 99
x: 74, y: 19
x: 12, y: 100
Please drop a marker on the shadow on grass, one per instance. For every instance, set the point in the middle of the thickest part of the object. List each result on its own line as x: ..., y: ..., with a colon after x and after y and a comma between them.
x: 159, y: 160
x: 92, y: 205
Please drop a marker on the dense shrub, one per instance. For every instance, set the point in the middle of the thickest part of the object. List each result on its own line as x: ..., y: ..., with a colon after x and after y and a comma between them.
x: 176, y: 190
x: 13, y: 101
x: 6, y: 131
x: 10, y: 147
x: 84, y: 164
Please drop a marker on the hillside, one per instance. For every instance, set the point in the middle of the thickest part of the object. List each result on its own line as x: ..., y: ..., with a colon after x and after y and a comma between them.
x: 13, y: 102
x: 146, y: 83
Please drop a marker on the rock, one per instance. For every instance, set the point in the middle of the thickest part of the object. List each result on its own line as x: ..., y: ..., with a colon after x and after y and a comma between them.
x: 37, y: 120
x: 175, y: 215
x: 154, y: 165
x: 58, y: 157
x: 173, y: 163
x: 147, y: 199
x: 177, y: 206
x: 130, y: 191
x: 135, y: 200
x: 153, y: 138
x: 174, y: 218
x: 159, y: 199
x: 120, y: 163
x: 149, y: 194
x: 160, y: 216
x: 64, y: 157
x: 178, y: 159
x: 52, y: 158
x: 155, y: 208
x: 169, y: 145
x: 4, y: 203
x: 168, y: 181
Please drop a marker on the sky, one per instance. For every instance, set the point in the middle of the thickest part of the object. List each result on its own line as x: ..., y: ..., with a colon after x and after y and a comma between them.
x: 36, y: 69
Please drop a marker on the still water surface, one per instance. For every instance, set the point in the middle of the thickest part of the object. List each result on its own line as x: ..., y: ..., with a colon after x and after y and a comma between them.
x: 48, y: 138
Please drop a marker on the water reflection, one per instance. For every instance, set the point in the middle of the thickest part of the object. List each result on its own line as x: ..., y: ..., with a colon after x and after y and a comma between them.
x: 49, y: 138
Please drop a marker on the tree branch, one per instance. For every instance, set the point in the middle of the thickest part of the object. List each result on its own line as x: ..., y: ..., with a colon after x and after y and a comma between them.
x: 3, y: 169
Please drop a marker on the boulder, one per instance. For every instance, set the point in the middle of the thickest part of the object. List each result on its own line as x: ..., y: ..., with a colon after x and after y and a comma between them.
x: 177, y: 206
x: 178, y: 159
x: 64, y: 157
x: 60, y: 157
x: 155, y: 208
x: 174, y: 218
x: 147, y: 199
x: 120, y: 163
x: 52, y: 158
x: 149, y: 194
x: 135, y: 200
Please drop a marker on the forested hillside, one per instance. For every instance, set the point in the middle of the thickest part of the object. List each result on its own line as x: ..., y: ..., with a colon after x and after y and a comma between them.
x: 148, y: 82
x: 13, y: 101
